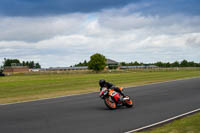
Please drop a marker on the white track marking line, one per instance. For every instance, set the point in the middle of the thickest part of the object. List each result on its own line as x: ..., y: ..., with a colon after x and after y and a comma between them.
x: 164, y: 121
x: 96, y: 91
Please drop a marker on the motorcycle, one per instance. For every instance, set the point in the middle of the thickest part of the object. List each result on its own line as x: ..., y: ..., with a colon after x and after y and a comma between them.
x: 113, y: 99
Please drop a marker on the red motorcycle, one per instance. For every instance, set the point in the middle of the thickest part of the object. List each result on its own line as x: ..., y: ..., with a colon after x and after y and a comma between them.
x: 113, y: 99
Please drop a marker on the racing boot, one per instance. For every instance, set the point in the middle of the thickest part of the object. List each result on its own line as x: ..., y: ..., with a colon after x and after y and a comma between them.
x: 123, y: 95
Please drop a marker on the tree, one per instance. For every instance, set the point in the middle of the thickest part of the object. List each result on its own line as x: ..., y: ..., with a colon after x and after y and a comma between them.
x: 123, y: 63
x: 136, y: 63
x: 13, y: 62
x: 159, y: 64
x: 23, y: 63
x: 167, y: 64
x: 37, y: 65
x: 175, y: 64
x: 27, y: 63
x: 191, y: 64
x: 10, y: 62
x: 1, y: 69
x: 85, y: 63
x: 97, y: 62
x: 31, y: 64
x: 184, y: 63
x: 131, y: 64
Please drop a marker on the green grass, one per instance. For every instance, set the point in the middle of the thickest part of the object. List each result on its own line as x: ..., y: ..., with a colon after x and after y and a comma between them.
x: 36, y: 86
x: 189, y: 124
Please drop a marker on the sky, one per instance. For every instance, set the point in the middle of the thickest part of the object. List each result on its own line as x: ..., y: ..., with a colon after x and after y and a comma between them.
x: 60, y: 33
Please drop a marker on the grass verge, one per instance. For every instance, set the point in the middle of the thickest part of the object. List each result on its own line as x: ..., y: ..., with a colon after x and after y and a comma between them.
x: 18, y: 88
x: 188, y: 124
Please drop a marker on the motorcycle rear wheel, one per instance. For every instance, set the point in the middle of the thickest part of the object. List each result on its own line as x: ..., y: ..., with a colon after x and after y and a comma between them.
x: 110, y: 104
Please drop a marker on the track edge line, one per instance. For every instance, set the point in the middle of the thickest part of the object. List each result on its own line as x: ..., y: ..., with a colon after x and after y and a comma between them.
x: 164, y: 121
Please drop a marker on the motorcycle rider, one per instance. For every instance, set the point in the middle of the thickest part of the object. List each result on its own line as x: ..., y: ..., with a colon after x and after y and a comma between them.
x: 108, y: 85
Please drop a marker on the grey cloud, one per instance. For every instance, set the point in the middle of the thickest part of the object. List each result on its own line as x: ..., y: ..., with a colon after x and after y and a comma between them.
x: 172, y: 24
x: 193, y: 42
x: 39, y: 28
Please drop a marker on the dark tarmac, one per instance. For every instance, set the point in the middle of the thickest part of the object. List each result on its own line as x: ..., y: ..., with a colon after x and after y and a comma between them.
x: 88, y: 114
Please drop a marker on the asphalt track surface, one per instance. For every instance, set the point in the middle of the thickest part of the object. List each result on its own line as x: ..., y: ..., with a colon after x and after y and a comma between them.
x: 88, y: 114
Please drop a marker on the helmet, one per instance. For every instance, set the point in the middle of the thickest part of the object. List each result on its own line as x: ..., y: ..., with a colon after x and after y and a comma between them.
x: 102, y: 82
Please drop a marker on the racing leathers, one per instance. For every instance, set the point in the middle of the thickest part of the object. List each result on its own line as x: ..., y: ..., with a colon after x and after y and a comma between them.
x: 111, y: 86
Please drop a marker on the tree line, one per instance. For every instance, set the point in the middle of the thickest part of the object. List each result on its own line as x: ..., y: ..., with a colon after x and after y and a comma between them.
x: 131, y: 64
x: 183, y: 63
x: 16, y: 62
x: 85, y: 63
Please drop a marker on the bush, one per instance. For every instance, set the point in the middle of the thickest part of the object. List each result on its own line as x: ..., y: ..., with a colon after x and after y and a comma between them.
x: 112, y: 66
x: 2, y: 74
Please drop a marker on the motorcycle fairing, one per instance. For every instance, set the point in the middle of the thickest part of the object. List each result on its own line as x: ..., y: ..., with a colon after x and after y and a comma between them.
x: 116, y: 96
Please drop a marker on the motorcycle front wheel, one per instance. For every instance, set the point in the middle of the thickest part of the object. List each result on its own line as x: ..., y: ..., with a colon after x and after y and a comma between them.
x: 110, y: 104
x: 129, y: 103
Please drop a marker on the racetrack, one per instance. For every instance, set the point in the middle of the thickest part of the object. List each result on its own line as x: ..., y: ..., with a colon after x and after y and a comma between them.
x: 87, y: 113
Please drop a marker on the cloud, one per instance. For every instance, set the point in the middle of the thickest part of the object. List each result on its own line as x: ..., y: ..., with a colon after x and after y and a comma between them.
x: 38, y: 28
x: 193, y: 41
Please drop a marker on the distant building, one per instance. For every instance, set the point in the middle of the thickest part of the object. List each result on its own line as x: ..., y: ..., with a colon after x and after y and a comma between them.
x: 13, y: 69
x: 152, y: 66
x: 67, y: 68
x: 111, y: 64
x: 136, y: 67
x: 34, y: 70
